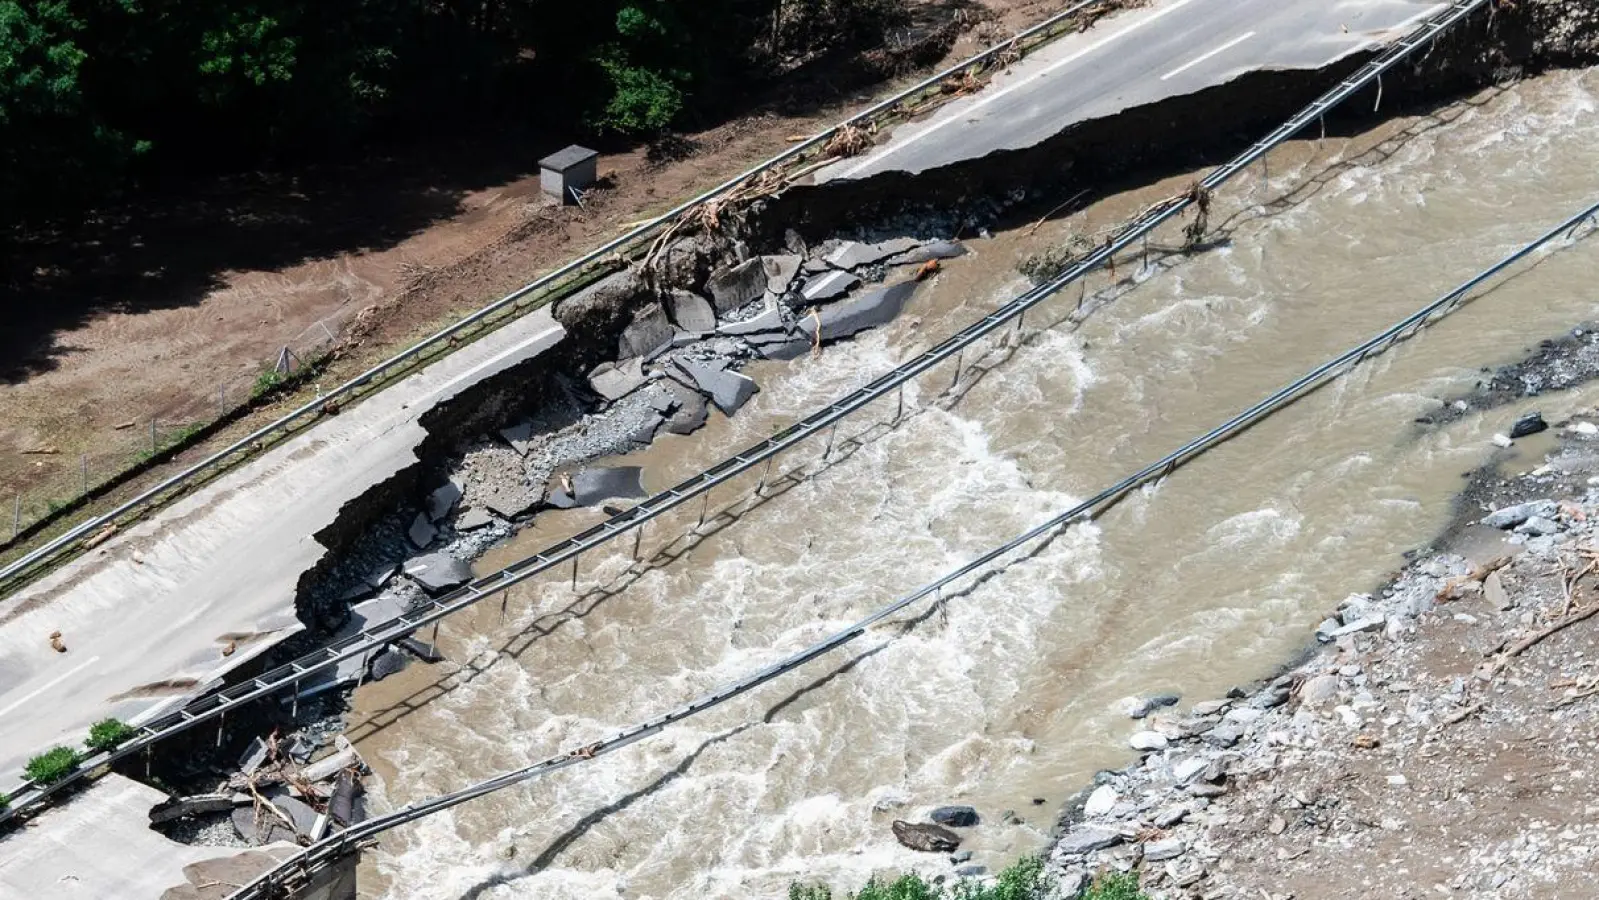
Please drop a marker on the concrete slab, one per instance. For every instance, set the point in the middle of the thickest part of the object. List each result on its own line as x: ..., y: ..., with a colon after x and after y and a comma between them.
x: 443, y: 499
x: 1135, y: 57
x: 648, y: 330
x: 853, y: 254
x: 691, y: 312
x: 422, y: 531
x: 827, y: 286
x: 613, y: 381
x: 97, y: 845
x: 729, y: 390
x: 594, y: 486
x: 473, y: 519
x: 770, y: 320
x: 871, y: 309
x: 437, y: 572
x: 737, y: 285
x: 519, y: 436
x: 780, y: 271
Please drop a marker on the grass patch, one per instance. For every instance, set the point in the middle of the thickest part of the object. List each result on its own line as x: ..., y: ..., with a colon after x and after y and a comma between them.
x: 53, y: 765
x: 109, y: 734
x: 267, y: 382
x: 1116, y: 886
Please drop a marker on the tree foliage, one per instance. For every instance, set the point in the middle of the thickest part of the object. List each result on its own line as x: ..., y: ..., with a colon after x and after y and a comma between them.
x: 95, y: 92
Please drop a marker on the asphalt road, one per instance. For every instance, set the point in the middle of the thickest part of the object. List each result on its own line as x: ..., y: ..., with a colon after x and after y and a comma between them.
x: 146, y: 616
x: 1170, y: 48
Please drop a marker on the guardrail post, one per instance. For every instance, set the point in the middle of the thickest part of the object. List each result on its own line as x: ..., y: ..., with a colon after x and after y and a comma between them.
x: 705, y: 507
x: 574, y: 568
x: 899, y: 409
x: 505, y: 600
x: 222, y: 722
x: 85, y: 473
x: 638, y: 539
x: 16, y: 517
x: 960, y: 360
x: 761, y: 485
x: 831, y: 433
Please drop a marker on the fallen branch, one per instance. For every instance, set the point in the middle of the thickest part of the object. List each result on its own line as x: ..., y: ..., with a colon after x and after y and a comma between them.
x: 1462, y: 716
x: 1531, y: 641
x: 1475, y: 576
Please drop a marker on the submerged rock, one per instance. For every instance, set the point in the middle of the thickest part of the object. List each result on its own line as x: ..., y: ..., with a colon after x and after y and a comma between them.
x: 954, y: 816
x: 1529, y: 424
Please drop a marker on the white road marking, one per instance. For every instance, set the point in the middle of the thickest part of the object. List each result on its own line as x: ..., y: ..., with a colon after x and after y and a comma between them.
x: 983, y: 101
x: 1201, y: 58
x: 58, y: 679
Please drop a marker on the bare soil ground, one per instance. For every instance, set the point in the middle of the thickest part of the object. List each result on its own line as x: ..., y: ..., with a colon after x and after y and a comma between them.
x: 170, y: 312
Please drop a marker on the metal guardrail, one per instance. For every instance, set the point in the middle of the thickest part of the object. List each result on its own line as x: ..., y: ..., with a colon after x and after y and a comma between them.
x: 287, y: 677
x: 574, y: 274
x: 343, y: 843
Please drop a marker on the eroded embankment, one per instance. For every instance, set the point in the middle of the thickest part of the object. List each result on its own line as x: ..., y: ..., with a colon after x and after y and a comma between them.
x: 381, y: 521
x: 1105, y: 156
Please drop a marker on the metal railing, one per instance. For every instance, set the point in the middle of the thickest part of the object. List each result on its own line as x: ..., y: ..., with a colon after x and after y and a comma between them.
x: 289, y: 676
x: 339, y: 845
x: 575, y: 274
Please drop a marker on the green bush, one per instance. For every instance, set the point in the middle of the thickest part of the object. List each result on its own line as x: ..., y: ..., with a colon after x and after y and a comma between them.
x: 5, y: 801
x: 53, y: 765
x: 1025, y: 880
x: 107, y: 735
x: 1116, y: 886
x: 267, y: 382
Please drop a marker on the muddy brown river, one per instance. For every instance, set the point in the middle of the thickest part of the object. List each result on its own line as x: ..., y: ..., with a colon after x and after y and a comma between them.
x: 1008, y: 692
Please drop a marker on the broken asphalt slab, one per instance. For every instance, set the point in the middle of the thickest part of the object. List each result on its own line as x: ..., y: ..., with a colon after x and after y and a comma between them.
x: 595, y: 486
x: 871, y: 309
x: 729, y: 390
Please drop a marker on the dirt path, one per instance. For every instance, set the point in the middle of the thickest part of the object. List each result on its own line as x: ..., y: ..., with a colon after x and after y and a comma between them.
x: 117, y: 342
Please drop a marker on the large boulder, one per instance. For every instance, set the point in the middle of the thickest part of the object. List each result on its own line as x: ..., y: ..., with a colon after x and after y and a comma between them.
x: 926, y: 837
x: 736, y: 285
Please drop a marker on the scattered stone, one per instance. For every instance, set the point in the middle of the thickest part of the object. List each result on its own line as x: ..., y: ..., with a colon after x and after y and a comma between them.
x: 971, y: 871
x: 1189, y: 769
x: 1529, y: 424
x: 422, y: 531
x: 1224, y: 735
x: 1493, y: 590
x: 1170, y: 816
x: 1100, y: 802
x: 827, y: 286
x: 1374, y: 623
x: 1538, y: 526
x: 1502, y: 441
x: 954, y: 816
x: 1206, y: 789
x: 736, y: 285
x: 962, y: 856
x: 437, y: 572
x: 1509, y: 517
x: 1160, y: 851
x: 1277, y: 825
x: 1143, y: 707
x: 1318, y: 691
x: 1148, y: 741
x: 1086, y: 840
x: 1212, y: 707
x: 443, y: 500
x: 691, y: 312
x: 925, y: 837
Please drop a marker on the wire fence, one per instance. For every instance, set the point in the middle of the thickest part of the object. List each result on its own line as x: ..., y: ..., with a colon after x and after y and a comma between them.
x: 60, y: 481
x: 58, y: 493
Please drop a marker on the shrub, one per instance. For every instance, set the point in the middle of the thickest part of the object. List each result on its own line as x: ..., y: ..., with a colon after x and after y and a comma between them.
x: 267, y: 382
x: 5, y: 801
x: 107, y: 735
x: 1116, y: 886
x: 53, y: 765
x: 1025, y: 880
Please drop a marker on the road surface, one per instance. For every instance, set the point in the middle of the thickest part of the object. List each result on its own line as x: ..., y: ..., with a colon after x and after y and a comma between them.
x: 146, y: 616
x: 1168, y: 49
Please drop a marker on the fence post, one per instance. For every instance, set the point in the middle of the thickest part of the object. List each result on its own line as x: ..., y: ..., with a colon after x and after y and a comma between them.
x: 86, y: 473
x: 16, y: 517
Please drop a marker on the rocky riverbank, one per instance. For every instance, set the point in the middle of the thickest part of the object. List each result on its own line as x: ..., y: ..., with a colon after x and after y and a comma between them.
x: 1436, y: 741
